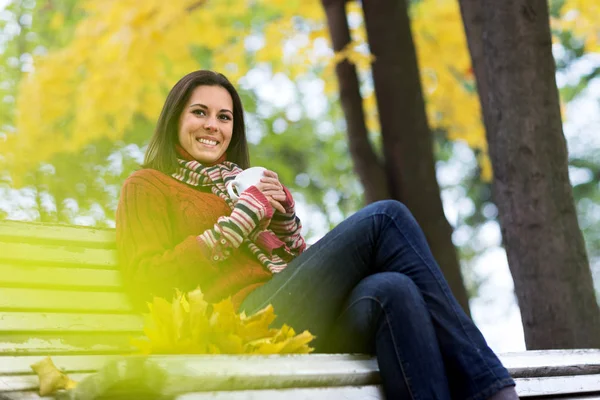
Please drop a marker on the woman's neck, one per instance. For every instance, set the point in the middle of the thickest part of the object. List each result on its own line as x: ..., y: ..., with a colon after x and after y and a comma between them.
x: 188, y: 157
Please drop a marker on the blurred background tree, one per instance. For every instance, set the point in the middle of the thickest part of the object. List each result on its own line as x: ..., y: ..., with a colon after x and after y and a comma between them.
x: 82, y: 83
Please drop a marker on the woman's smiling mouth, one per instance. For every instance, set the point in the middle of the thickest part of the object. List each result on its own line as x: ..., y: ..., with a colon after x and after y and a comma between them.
x: 207, y: 142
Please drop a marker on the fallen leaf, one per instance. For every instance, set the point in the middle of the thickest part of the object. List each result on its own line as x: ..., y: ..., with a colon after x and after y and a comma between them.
x: 51, y: 378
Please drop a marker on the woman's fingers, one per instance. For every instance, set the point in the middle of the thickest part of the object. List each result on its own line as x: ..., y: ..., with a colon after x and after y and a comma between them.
x: 270, y: 186
x: 275, y: 195
x: 271, y: 191
x: 264, y: 186
x: 276, y: 205
x: 271, y: 181
x: 271, y: 174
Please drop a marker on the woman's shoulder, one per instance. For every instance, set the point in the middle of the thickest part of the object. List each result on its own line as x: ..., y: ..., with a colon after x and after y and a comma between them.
x: 151, y: 179
x: 147, y: 176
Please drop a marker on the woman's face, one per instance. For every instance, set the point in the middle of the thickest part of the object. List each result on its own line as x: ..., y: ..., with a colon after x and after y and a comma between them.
x: 206, y: 123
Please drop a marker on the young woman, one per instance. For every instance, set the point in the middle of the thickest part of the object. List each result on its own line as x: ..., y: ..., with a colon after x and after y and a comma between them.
x: 370, y: 285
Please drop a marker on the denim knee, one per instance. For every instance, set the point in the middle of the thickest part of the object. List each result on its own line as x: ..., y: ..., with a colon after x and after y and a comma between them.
x: 388, y: 288
x: 396, y: 287
x: 381, y: 295
x: 392, y: 208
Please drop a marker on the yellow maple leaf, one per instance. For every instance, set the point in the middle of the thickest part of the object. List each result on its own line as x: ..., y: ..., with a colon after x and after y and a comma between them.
x: 257, y: 325
x: 51, y: 378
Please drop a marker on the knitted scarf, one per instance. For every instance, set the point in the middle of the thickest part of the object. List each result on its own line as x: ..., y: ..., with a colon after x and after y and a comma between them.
x: 215, y: 178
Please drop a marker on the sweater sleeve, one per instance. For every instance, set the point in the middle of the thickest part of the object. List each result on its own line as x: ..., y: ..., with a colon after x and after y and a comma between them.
x: 287, y: 226
x: 251, y: 212
x: 152, y: 263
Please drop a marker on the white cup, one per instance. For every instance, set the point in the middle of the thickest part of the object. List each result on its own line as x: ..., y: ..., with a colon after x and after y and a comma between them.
x: 244, y: 180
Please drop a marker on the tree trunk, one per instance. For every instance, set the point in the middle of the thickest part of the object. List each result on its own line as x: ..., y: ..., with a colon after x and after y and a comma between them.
x: 407, y: 139
x: 366, y: 163
x: 510, y: 46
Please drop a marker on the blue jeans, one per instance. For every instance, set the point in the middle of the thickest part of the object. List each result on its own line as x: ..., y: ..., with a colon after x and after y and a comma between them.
x: 372, y: 285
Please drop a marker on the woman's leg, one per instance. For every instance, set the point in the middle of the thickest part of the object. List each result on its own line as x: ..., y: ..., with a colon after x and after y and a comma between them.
x: 385, y: 314
x: 382, y: 237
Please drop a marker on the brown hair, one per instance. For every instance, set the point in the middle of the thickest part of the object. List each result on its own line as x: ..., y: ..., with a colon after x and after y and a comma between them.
x: 161, y: 153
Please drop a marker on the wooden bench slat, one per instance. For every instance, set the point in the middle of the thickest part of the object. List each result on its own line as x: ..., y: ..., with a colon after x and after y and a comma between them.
x: 371, y: 392
x: 58, y: 277
x: 558, y: 385
x: 548, y: 358
x: 210, y: 365
x: 17, y: 299
x: 28, y: 382
x: 31, y: 232
x: 66, y: 343
x: 188, y: 374
x: 552, y: 362
x: 58, y: 255
x: 53, y: 322
x: 582, y: 396
x: 19, y: 365
x: 23, y: 396
x: 205, y: 373
x: 31, y: 383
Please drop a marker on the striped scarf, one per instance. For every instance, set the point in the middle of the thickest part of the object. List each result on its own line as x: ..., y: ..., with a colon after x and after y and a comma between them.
x: 216, y: 178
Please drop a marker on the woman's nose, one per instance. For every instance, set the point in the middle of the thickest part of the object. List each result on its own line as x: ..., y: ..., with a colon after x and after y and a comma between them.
x: 210, y: 124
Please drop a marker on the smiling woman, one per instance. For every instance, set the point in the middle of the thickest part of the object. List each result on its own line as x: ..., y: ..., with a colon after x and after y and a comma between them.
x: 371, y: 285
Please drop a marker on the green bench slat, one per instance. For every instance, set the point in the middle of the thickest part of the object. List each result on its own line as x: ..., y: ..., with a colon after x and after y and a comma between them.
x: 31, y: 232
x: 28, y: 382
x: 17, y: 299
x: 27, y: 254
x: 56, y: 322
x: 371, y: 392
x: 22, y: 396
x: 205, y: 365
x: 189, y: 374
x: 206, y: 373
x: 19, y: 365
x: 24, y: 386
x: 552, y: 362
x: 57, y: 277
x: 558, y: 385
x: 65, y: 343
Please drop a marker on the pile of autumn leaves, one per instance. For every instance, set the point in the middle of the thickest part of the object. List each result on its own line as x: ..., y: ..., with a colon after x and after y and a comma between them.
x: 190, y: 325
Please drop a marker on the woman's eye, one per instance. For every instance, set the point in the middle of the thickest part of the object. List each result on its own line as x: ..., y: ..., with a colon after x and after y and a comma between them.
x: 226, y: 117
x: 198, y: 112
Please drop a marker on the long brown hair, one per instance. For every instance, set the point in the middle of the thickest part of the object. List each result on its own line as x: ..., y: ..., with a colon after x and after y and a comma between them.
x: 161, y: 153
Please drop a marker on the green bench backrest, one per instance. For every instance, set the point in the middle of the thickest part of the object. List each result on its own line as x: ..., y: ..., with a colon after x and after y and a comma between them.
x: 61, y: 293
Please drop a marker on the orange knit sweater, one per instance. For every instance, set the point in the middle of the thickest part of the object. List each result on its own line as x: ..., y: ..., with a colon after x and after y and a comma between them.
x: 158, y: 221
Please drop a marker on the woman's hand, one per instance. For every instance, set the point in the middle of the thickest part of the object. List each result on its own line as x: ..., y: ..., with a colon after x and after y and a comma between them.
x: 270, y: 186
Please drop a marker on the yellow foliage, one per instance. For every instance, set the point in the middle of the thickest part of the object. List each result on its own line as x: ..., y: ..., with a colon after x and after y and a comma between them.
x: 57, y: 21
x: 445, y: 65
x: 361, y: 59
x: 189, y: 325
x: 126, y: 54
x: 581, y: 17
x: 51, y: 378
x: 124, y: 57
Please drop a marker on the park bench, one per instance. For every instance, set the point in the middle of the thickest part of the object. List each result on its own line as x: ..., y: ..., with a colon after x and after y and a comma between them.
x: 61, y: 296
